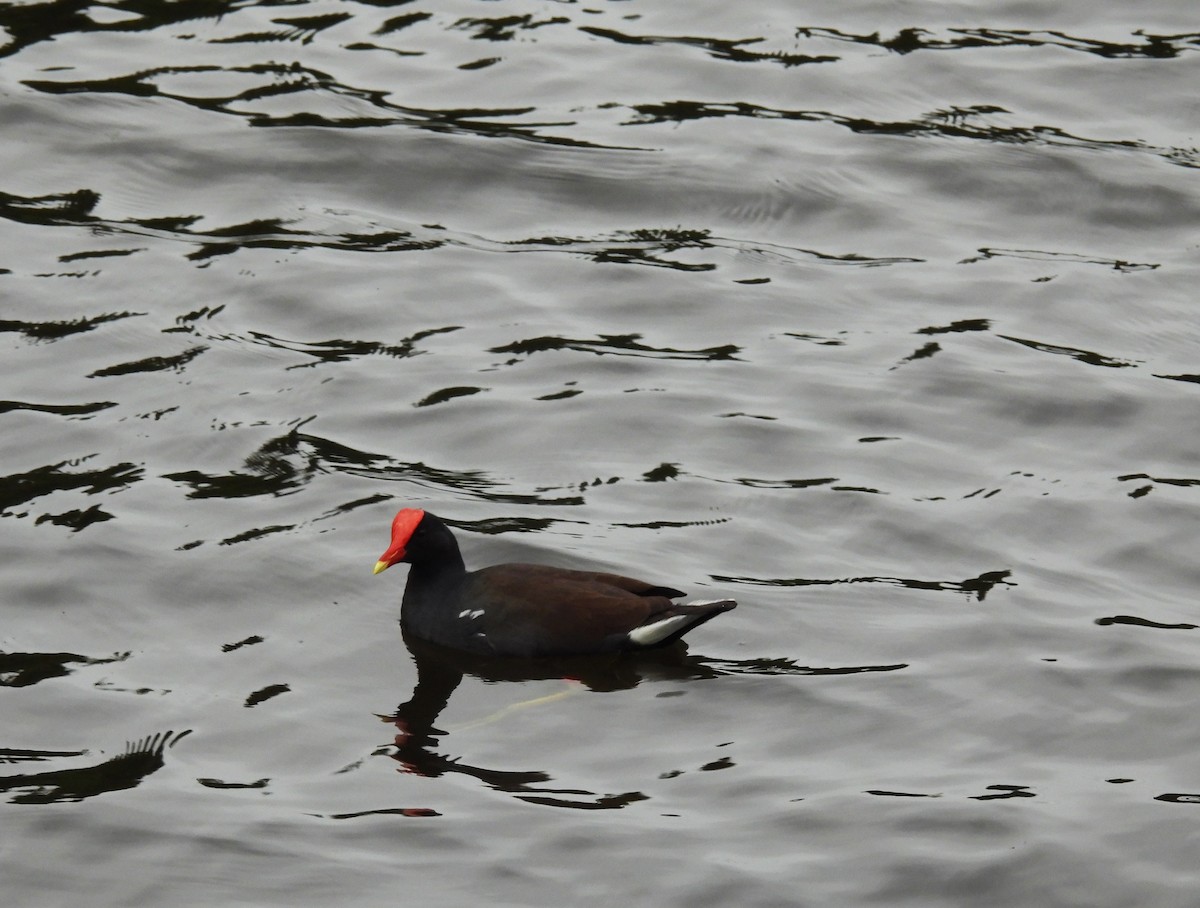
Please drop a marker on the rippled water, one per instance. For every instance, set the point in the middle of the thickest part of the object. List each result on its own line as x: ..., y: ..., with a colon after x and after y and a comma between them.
x: 878, y: 319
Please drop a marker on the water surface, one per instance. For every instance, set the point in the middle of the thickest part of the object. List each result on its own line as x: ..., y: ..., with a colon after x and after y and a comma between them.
x: 876, y: 319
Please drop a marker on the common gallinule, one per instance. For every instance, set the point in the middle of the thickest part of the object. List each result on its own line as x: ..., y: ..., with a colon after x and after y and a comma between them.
x: 528, y: 609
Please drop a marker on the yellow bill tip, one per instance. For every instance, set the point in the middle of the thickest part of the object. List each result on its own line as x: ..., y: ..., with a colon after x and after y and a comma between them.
x: 380, y: 566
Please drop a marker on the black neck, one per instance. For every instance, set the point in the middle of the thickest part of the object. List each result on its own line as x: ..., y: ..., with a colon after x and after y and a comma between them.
x: 436, y: 568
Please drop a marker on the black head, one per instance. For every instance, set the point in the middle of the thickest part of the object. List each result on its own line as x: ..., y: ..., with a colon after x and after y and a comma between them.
x: 419, y: 537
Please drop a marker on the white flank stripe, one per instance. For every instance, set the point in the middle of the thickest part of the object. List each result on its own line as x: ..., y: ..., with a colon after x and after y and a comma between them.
x: 650, y: 634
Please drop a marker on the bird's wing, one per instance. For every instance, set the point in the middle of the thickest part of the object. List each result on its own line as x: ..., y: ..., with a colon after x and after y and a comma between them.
x: 535, y: 610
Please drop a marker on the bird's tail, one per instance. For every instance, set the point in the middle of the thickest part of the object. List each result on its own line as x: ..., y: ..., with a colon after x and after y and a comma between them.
x: 667, y: 627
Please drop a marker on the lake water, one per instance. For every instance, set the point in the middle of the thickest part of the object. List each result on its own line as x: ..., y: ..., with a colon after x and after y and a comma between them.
x: 878, y: 317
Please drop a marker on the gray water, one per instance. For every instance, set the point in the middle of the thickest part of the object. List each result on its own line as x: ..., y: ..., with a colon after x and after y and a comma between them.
x: 877, y: 317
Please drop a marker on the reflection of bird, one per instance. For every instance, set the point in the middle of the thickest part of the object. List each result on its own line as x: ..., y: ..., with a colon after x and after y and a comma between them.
x: 528, y: 609
x: 419, y: 745
x: 125, y: 770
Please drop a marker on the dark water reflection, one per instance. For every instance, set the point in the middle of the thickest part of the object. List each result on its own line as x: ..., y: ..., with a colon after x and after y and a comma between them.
x: 439, y: 673
x: 419, y: 743
x: 908, y: 40
x: 126, y: 770
x: 24, y: 669
x: 978, y: 587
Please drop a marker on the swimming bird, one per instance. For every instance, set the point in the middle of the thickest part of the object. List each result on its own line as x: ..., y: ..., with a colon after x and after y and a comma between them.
x: 528, y: 609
